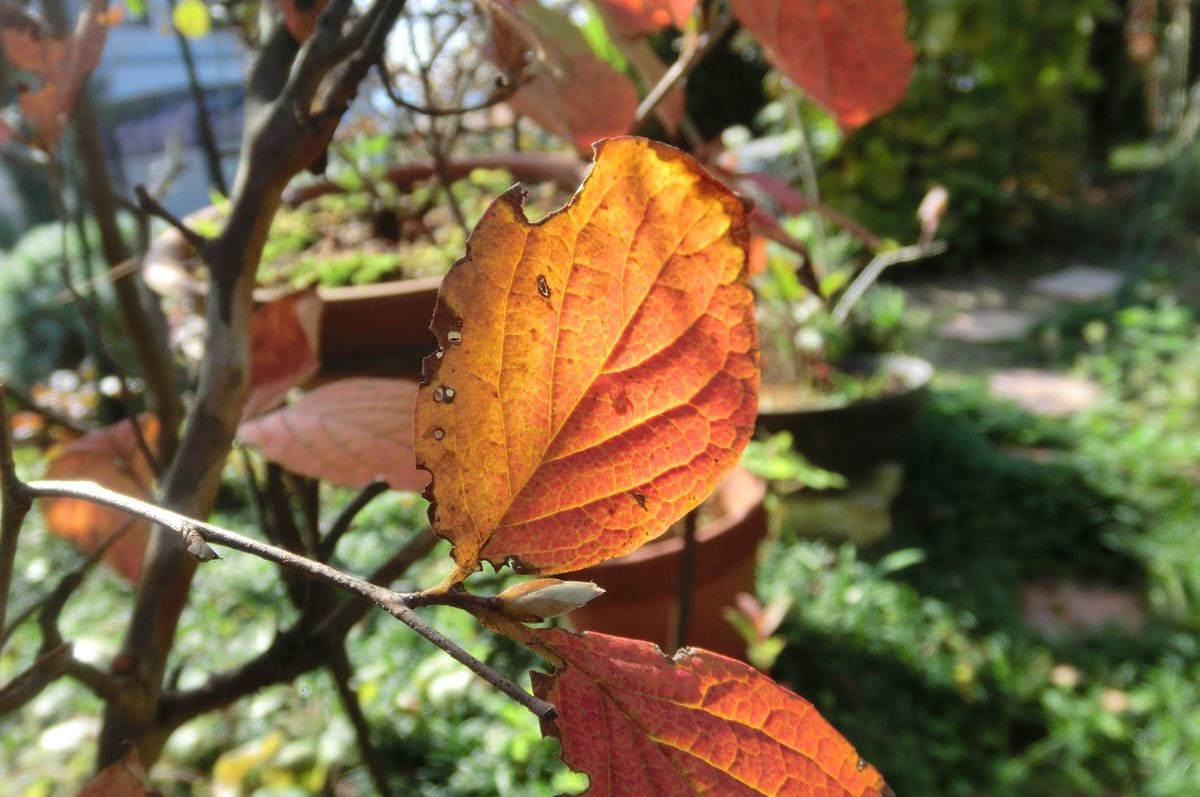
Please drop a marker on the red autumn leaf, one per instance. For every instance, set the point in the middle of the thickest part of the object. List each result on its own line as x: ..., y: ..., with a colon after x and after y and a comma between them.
x: 637, y: 17
x: 582, y: 102
x: 571, y: 92
x: 284, y: 337
x: 598, y: 371
x: 300, y: 17
x: 110, y: 457
x: 63, y: 64
x: 348, y: 432
x: 638, y: 722
x: 124, y: 777
x: 850, y: 56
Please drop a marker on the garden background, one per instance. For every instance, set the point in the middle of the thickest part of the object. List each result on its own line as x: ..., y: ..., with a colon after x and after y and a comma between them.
x: 1009, y: 603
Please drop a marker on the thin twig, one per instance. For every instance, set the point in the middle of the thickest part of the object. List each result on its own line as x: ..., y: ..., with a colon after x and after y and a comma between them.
x: 257, y: 500
x: 45, y: 670
x: 14, y: 506
x: 503, y: 91
x: 343, y: 672
x: 687, y: 582
x: 301, y: 648
x: 63, y: 589
x: 866, y: 278
x: 197, y: 535
x: 54, y: 416
x: 150, y: 205
x: 345, y: 518
x: 93, y: 324
x: 540, y: 708
x: 341, y: 619
x: 683, y: 65
x: 436, y: 141
x: 808, y: 181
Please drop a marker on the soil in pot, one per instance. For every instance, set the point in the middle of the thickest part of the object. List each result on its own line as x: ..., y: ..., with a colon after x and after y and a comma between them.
x: 642, y: 588
x: 858, y: 430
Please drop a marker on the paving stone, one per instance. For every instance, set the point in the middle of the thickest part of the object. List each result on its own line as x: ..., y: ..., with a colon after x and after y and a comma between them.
x: 1044, y: 392
x: 1079, y: 284
x: 1063, y: 608
x: 990, y: 326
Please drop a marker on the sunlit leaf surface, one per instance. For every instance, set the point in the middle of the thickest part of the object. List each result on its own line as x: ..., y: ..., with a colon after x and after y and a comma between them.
x: 598, y: 371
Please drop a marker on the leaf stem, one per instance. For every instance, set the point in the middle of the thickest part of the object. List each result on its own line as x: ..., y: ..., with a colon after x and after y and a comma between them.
x: 687, y: 581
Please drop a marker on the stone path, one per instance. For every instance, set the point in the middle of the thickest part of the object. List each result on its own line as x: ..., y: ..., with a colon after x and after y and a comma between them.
x: 1044, y: 392
x: 997, y: 315
x: 976, y: 333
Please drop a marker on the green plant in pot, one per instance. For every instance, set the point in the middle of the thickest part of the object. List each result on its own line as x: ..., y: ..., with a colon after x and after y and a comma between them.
x: 373, y: 241
x: 831, y: 374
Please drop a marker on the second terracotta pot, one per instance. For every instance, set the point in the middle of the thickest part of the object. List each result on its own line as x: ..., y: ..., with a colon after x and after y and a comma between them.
x: 642, y: 588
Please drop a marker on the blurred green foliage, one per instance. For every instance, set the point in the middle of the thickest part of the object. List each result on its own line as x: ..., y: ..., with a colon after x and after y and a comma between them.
x: 441, y: 731
x: 997, y: 112
x: 40, y: 326
x: 925, y: 661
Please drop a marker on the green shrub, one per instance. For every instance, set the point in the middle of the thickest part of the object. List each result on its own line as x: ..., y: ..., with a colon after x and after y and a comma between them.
x: 996, y: 112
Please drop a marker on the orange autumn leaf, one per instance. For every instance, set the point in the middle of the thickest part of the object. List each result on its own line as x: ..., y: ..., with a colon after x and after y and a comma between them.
x: 638, y: 722
x: 62, y: 63
x: 850, y: 56
x: 636, y: 17
x: 284, y: 338
x: 348, y: 432
x: 598, y: 370
x: 109, y: 457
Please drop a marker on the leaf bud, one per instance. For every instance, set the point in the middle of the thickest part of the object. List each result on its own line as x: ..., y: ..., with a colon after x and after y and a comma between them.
x: 544, y: 598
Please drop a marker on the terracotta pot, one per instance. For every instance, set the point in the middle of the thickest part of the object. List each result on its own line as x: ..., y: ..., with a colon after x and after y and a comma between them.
x: 855, y: 438
x: 380, y: 329
x: 642, y: 587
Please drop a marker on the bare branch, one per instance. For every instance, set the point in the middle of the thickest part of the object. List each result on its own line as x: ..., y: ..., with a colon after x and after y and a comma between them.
x: 15, y: 506
x: 148, y: 203
x: 197, y: 535
x: 343, y: 672
x: 881, y: 261
x: 682, y: 67
x: 345, y: 518
x: 45, y: 670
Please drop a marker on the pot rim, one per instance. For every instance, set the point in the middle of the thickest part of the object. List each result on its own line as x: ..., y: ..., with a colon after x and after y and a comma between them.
x: 916, y: 372
x: 164, y: 271
x: 648, y: 570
